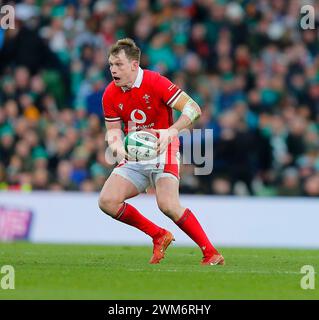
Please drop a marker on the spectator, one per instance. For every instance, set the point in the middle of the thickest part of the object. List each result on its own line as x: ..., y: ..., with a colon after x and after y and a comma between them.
x: 311, y: 187
x: 221, y: 186
x: 290, y: 184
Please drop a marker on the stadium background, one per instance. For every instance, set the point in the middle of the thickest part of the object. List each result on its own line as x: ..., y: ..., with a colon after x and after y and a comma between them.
x: 255, y: 74
x: 247, y: 63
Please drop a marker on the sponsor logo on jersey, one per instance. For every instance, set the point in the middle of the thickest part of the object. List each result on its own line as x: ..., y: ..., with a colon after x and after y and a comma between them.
x: 142, y: 127
x: 138, y: 116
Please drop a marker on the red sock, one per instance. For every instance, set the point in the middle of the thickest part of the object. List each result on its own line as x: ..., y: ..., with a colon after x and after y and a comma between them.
x: 129, y: 215
x: 190, y: 225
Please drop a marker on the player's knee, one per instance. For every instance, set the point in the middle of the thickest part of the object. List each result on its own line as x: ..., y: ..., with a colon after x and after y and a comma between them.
x: 109, y: 204
x: 168, y: 208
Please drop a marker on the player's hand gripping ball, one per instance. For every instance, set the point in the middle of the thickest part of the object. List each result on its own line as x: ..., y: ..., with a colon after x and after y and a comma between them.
x: 141, y: 145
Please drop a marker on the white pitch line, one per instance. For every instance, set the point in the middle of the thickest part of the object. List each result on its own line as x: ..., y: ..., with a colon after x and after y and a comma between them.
x: 218, y: 270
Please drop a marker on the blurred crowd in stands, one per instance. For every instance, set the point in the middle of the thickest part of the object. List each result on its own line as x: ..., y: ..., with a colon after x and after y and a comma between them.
x: 248, y: 64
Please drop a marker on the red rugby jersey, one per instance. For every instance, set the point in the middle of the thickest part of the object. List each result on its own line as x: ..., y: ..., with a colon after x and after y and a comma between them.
x: 147, y: 105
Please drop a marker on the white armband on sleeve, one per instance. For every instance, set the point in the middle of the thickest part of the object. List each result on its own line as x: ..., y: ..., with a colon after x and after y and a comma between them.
x: 189, y: 111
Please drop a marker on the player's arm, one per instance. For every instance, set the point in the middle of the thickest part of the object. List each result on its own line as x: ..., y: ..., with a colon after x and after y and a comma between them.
x: 190, y: 113
x: 113, y: 123
x: 114, y: 138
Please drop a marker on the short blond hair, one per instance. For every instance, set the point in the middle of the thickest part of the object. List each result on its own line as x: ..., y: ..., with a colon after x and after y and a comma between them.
x: 132, y: 51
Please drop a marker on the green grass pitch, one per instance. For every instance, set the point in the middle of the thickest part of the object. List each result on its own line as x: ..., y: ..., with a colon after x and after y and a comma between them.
x: 44, y: 271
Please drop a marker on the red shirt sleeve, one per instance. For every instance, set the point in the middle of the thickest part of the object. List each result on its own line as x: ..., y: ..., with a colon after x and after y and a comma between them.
x: 110, y: 113
x: 169, y: 92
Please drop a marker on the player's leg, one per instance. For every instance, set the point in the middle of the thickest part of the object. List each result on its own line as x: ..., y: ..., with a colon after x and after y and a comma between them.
x: 167, y: 196
x: 115, y: 191
x: 112, y: 198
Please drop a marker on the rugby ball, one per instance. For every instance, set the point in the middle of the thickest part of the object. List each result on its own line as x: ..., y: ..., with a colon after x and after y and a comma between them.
x: 141, y: 145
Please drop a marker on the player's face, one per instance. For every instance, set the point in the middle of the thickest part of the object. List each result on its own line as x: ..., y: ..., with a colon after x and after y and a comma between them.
x: 123, y: 70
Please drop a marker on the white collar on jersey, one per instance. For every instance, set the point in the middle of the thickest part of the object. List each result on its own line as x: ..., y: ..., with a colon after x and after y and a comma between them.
x: 138, y: 80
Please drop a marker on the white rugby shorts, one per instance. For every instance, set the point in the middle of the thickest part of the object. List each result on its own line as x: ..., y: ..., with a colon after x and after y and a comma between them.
x: 145, y: 173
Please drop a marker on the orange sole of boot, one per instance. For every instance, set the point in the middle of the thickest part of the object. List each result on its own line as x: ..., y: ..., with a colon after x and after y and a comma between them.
x: 167, y: 241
